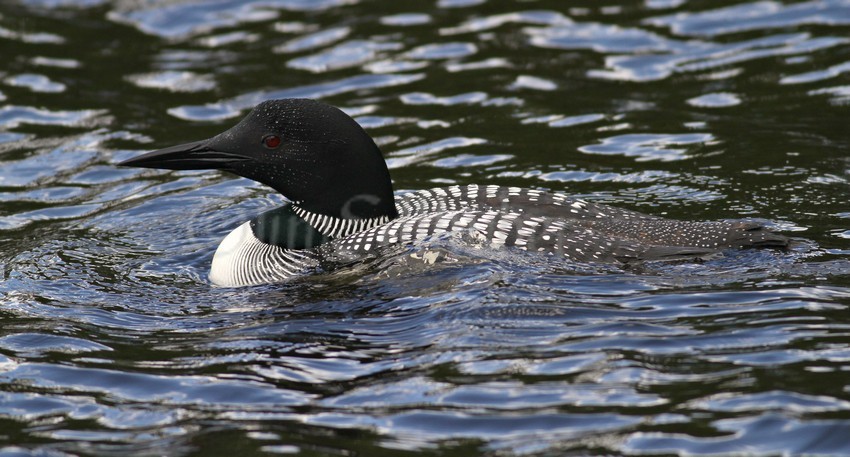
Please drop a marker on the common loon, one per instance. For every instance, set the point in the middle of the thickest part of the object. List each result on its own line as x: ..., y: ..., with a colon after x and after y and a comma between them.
x: 341, y: 203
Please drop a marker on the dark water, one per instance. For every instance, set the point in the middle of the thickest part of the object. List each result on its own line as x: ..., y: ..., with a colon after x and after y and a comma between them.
x: 112, y: 342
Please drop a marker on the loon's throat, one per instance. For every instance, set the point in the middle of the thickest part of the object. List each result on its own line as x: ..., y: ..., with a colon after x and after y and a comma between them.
x: 337, y: 227
x: 284, y: 228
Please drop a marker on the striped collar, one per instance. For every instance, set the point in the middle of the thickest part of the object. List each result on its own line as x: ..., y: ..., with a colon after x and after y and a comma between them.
x: 337, y: 227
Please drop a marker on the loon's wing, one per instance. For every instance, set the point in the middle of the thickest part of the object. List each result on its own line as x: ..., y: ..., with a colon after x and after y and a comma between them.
x: 580, y: 240
x: 716, y: 235
x: 528, y: 201
x: 608, y: 221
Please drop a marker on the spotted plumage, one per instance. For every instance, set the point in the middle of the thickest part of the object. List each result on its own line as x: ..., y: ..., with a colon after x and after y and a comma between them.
x: 551, y: 224
x: 343, y: 206
x: 554, y: 224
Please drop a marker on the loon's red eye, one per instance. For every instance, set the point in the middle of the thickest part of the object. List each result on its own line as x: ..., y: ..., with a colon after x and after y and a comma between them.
x: 271, y: 141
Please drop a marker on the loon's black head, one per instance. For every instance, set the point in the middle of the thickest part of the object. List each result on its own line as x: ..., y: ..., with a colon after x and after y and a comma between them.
x: 312, y: 153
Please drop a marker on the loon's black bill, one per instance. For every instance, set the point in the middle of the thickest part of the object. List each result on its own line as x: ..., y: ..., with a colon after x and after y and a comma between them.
x: 190, y: 156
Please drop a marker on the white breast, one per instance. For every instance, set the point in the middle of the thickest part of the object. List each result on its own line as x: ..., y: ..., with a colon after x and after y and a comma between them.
x: 243, y: 260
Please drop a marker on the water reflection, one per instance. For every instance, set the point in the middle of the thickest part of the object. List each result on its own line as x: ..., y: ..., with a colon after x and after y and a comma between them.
x: 112, y: 340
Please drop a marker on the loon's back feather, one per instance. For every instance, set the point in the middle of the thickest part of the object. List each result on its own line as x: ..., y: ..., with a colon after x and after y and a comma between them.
x: 532, y: 220
x: 606, y: 223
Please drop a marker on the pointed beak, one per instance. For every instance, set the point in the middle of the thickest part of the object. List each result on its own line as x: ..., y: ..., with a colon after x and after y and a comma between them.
x: 190, y: 156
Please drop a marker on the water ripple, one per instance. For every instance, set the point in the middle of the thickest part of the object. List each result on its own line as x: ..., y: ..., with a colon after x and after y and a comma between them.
x: 498, y: 20
x: 597, y: 37
x: 715, y: 100
x: 762, y: 434
x: 314, y: 40
x: 174, y: 81
x: 190, y: 18
x: 422, y: 98
x: 32, y: 38
x: 839, y: 95
x: 442, y: 51
x: 762, y: 15
x: 35, y: 83
x: 772, y: 401
x: 198, y: 391
x: 695, y: 56
x: 345, y: 55
x: 649, y: 146
x: 409, y: 156
x: 12, y: 116
x: 818, y: 75
x: 113, y: 341
x: 233, y: 107
x: 406, y: 19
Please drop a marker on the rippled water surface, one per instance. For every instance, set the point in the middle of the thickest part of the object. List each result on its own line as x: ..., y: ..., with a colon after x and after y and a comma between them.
x: 112, y: 341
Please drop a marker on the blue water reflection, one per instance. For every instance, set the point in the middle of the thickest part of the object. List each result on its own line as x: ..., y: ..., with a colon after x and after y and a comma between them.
x: 113, y: 342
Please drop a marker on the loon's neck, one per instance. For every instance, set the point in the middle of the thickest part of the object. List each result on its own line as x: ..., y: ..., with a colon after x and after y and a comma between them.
x: 353, y: 196
x: 337, y: 227
x: 285, y: 228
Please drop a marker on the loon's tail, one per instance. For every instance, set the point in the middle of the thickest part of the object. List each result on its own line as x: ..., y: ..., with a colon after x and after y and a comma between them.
x: 754, y: 235
x: 704, y: 243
